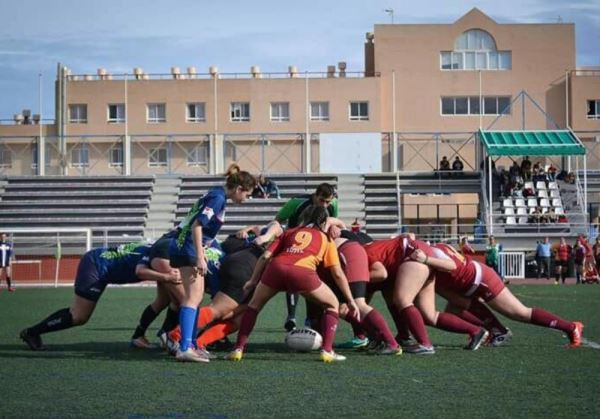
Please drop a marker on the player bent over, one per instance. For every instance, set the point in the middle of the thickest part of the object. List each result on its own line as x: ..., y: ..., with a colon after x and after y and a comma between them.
x: 99, y: 267
x: 295, y: 258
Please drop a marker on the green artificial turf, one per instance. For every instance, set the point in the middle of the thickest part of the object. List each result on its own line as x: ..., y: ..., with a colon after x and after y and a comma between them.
x: 91, y: 371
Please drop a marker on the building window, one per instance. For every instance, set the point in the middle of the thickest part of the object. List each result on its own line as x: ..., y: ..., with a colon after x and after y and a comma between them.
x: 240, y: 112
x: 359, y: 111
x: 78, y: 114
x: 116, y: 113
x: 157, y: 113
x: 475, y: 50
x: 319, y: 111
x: 34, y: 156
x: 470, y: 105
x: 593, y: 109
x: 280, y: 111
x: 195, y: 112
x: 5, y: 157
x: 157, y: 157
x: 115, y: 157
x: 80, y: 156
x: 198, y: 155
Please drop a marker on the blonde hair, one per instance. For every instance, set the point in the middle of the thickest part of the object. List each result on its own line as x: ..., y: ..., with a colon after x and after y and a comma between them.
x: 235, y: 177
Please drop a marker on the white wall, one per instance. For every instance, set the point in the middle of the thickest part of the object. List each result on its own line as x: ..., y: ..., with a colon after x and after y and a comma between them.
x: 350, y: 153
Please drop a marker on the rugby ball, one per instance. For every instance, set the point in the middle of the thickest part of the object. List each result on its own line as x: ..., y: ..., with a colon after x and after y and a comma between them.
x: 303, y: 340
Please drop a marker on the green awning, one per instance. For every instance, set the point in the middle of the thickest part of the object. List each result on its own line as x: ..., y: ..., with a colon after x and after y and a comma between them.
x: 531, y: 143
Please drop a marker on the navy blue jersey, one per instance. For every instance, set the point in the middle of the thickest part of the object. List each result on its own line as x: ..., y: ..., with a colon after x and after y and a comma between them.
x: 212, y: 279
x: 5, y: 253
x: 117, y: 265
x: 209, y: 210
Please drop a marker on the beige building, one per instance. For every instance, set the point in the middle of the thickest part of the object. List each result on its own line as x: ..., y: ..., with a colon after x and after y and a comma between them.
x: 432, y: 85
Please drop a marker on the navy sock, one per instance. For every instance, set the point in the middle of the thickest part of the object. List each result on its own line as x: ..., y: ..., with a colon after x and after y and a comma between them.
x: 147, y: 318
x: 171, y: 320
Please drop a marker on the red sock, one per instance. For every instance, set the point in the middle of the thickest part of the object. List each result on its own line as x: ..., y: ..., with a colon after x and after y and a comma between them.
x: 379, y: 326
x: 483, y: 313
x: 175, y: 334
x: 401, y: 327
x: 357, y: 327
x: 329, y: 323
x: 248, y: 322
x: 543, y: 318
x: 216, y: 333
x: 470, y: 317
x: 451, y: 323
x: 205, y: 317
x: 412, y: 316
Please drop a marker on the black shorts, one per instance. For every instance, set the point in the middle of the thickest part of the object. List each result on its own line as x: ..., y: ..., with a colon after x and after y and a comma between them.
x: 179, y: 261
x: 358, y: 290
x: 87, y: 283
x: 160, y: 249
x: 236, y: 270
x: 564, y: 263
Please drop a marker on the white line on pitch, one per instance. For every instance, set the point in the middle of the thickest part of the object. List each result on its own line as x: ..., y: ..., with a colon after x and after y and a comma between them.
x: 590, y: 344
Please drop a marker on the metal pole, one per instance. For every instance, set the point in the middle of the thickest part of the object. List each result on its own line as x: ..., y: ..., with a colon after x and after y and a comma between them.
x: 127, y: 159
x: 567, y: 124
x: 490, y: 209
x: 307, y: 145
x: 480, y: 102
x: 394, y: 136
x: 41, y: 148
x: 585, y: 184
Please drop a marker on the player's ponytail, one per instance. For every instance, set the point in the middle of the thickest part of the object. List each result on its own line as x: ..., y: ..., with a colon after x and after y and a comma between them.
x: 236, y: 177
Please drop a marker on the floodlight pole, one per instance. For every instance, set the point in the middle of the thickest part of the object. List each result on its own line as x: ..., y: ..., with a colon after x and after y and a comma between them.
x: 490, y: 209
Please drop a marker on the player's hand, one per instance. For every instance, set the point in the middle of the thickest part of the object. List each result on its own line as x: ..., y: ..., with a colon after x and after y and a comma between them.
x: 242, y: 234
x: 248, y: 287
x: 354, y: 311
x: 174, y: 277
x: 201, y: 267
x: 419, y: 256
x: 334, y: 232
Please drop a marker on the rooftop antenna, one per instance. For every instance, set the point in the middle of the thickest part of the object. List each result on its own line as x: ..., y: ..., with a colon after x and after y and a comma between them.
x: 390, y: 12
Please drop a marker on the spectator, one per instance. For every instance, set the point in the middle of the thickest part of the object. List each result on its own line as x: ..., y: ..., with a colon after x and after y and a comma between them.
x: 562, y: 252
x: 526, y: 168
x: 536, y: 216
x: 465, y: 247
x: 504, y: 183
x: 265, y: 188
x: 552, y: 171
x: 596, y: 252
x: 444, y: 164
x: 6, y: 249
x: 579, y: 258
x: 514, y: 171
x: 570, y: 178
x: 457, y: 164
x: 492, y: 254
x: 542, y: 257
x: 540, y: 176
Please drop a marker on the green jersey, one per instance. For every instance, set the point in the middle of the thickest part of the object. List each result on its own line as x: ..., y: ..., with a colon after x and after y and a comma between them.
x: 291, y: 211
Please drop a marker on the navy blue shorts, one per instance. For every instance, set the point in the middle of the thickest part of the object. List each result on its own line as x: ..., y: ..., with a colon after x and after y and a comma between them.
x: 87, y: 283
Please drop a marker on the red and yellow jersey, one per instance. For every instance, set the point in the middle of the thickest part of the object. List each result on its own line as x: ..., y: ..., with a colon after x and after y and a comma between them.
x: 462, y: 277
x: 466, y: 249
x: 392, y: 252
x: 306, y: 247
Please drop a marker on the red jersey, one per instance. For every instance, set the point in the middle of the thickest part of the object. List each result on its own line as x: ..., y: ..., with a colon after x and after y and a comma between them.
x: 563, y: 251
x: 466, y: 249
x: 306, y: 247
x: 392, y: 252
x: 462, y: 277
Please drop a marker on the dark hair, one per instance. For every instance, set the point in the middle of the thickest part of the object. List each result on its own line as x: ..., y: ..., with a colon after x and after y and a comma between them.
x: 236, y: 177
x: 325, y: 190
x: 314, y: 214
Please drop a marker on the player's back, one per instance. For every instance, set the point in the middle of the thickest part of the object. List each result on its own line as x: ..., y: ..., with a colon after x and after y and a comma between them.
x: 465, y: 270
x: 117, y: 265
x: 302, y: 246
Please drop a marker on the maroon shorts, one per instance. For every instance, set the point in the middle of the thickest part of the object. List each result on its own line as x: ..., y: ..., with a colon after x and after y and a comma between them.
x: 290, y: 278
x: 490, y: 286
x: 355, y: 261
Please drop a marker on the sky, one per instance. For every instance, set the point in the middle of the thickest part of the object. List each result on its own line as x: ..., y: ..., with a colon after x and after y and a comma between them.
x: 119, y: 35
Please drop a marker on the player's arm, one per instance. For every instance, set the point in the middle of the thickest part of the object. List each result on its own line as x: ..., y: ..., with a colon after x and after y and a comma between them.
x: 244, y: 232
x: 438, y: 264
x: 145, y: 273
x: 274, y: 230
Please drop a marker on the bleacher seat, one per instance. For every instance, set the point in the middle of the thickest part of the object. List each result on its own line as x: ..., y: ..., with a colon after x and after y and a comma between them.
x: 532, y: 202
x: 520, y: 202
x: 521, y: 211
x: 507, y: 203
x: 528, y: 185
x: 544, y: 203
x: 509, y: 211
x: 540, y: 184
x: 559, y: 211
x: 557, y: 202
x: 511, y: 220
x: 552, y: 185
x: 542, y: 193
x: 523, y: 220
